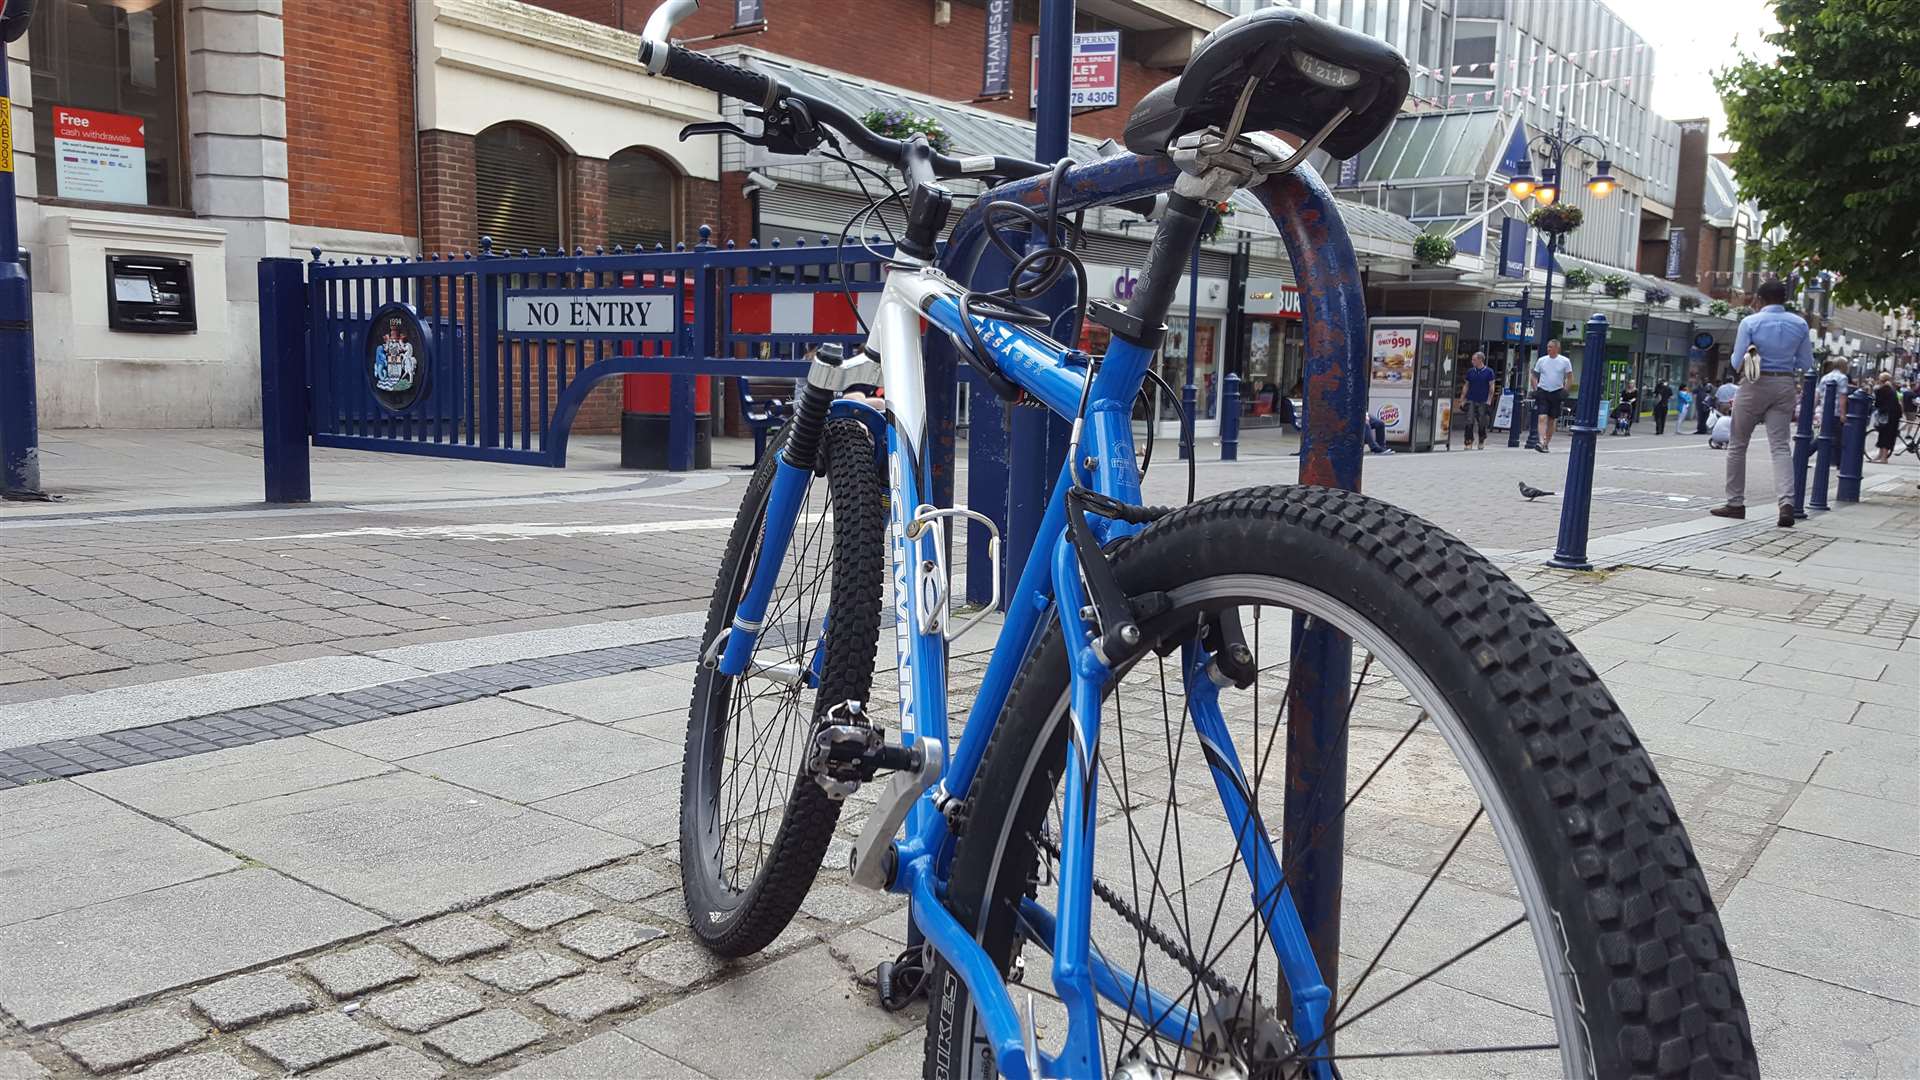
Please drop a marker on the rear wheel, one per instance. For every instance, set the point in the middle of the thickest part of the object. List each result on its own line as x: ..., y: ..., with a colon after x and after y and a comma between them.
x: 1519, y: 897
x: 754, y: 825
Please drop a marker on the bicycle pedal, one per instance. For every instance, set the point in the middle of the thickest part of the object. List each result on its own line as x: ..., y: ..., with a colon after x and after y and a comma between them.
x: 871, y: 863
x: 848, y: 754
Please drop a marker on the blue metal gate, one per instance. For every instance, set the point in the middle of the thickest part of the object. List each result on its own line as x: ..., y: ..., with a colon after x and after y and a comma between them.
x: 490, y: 357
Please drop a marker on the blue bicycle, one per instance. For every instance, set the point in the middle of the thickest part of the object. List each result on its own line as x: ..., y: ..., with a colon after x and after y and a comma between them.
x: 1115, y: 872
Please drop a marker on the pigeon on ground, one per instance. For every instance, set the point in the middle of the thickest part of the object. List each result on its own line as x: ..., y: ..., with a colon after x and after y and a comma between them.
x: 1532, y: 493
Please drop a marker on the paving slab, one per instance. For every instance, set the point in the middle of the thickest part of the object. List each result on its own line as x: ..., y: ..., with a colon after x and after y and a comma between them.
x: 312, y: 1041
x: 1804, y: 1027
x: 1796, y: 931
x: 397, y: 737
x: 616, y: 697
x: 588, y: 997
x: 1862, y: 774
x: 607, y: 936
x: 80, y: 961
x: 64, y: 847
x: 681, y: 964
x: 356, y: 971
x: 172, y: 789
x: 605, y: 1056
x: 455, y: 938
x: 523, y: 971
x: 542, y: 909
x: 904, y: 1056
x: 767, y: 1036
x: 249, y: 999
x: 211, y: 1066
x: 628, y: 883
x: 645, y: 807
x: 17, y: 1065
x: 1841, y: 870
x: 488, y: 1035
x: 408, y: 846
x: 131, y: 1038
x: 533, y: 765
x: 1859, y: 818
x: 386, y: 1063
x: 423, y: 1005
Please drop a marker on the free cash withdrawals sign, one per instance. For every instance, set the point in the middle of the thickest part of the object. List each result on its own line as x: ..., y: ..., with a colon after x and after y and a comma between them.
x: 587, y: 313
x: 1096, y: 71
x: 99, y: 155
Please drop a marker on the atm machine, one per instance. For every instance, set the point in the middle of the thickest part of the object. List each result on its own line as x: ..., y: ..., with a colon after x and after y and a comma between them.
x: 1411, y: 384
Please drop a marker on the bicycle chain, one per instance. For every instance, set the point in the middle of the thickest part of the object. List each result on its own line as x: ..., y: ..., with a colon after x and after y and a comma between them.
x: 1148, y: 931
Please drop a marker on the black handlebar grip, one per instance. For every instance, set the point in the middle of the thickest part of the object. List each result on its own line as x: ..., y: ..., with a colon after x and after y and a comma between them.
x: 698, y: 69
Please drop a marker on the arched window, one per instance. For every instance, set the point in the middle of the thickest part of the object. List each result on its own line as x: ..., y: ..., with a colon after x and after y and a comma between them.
x: 641, y: 192
x: 517, y: 188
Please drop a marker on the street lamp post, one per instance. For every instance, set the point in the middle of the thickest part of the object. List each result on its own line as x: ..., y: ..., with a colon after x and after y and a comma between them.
x: 19, y: 421
x: 1575, y: 507
x: 1546, y: 190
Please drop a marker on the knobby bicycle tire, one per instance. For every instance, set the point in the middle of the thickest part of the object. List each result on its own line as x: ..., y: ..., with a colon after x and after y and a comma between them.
x: 734, y: 922
x: 1647, y: 952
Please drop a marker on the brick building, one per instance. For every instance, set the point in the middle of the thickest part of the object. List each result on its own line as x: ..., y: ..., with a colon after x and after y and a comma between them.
x: 405, y: 128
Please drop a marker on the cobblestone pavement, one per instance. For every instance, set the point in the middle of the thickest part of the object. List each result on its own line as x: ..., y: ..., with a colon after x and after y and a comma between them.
x: 451, y: 849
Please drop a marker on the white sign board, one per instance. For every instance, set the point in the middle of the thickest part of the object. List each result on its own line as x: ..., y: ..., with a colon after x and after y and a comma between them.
x: 99, y: 156
x: 1096, y: 71
x: 1503, y: 414
x: 568, y: 313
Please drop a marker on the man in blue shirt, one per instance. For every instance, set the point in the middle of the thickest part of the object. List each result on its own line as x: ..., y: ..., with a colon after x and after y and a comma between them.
x: 1786, y: 352
x: 1476, y: 400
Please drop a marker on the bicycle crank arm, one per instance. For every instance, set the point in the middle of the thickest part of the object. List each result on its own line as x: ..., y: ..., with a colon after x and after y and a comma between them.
x: 871, y: 863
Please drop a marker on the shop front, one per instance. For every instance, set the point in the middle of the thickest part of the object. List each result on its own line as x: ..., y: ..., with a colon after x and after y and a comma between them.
x: 1275, y: 348
x: 1191, y: 349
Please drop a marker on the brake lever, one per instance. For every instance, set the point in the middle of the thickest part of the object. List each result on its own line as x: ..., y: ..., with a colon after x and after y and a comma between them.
x: 715, y: 127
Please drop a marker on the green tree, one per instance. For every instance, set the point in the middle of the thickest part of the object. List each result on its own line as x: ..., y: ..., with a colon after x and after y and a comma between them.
x: 1828, y: 141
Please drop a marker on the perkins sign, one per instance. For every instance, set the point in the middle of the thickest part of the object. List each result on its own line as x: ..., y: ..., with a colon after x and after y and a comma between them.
x: 592, y: 314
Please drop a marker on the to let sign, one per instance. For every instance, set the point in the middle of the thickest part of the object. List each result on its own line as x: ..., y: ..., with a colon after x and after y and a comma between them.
x: 592, y: 314
x: 1096, y: 71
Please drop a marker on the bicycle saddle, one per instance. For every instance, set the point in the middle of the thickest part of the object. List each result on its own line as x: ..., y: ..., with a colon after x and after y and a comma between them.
x: 1308, y: 70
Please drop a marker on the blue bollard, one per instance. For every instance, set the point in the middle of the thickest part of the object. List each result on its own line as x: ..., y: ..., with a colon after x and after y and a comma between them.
x: 284, y: 402
x: 1521, y: 420
x: 1576, y: 506
x: 1230, y: 418
x: 1803, y: 445
x: 1826, y: 445
x: 1853, y: 446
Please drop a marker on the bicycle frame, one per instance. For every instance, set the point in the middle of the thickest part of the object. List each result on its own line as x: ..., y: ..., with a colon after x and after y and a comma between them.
x: 1049, y: 586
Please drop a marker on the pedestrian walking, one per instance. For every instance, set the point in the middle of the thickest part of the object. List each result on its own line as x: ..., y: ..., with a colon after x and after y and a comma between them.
x: 1662, y: 395
x: 1476, y: 401
x: 1703, y: 403
x: 1886, y: 416
x: 1550, y: 374
x: 1785, y: 351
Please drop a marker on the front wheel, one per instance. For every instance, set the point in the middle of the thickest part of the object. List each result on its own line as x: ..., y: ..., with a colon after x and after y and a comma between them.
x: 754, y: 824
x: 1518, y: 895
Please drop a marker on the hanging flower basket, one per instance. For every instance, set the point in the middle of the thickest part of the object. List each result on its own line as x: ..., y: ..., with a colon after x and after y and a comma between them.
x: 1433, y: 249
x: 1719, y: 308
x: 1579, y: 280
x: 1616, y: 285
x: 1557, y: 220
x: 1658, y: 296
x: 1688, y: 303
x: 901, y: 124
x: 1217, y: 221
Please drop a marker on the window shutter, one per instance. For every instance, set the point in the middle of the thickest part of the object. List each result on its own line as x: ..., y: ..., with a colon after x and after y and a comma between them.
x: 640, y: 201
x: 517, y: 189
